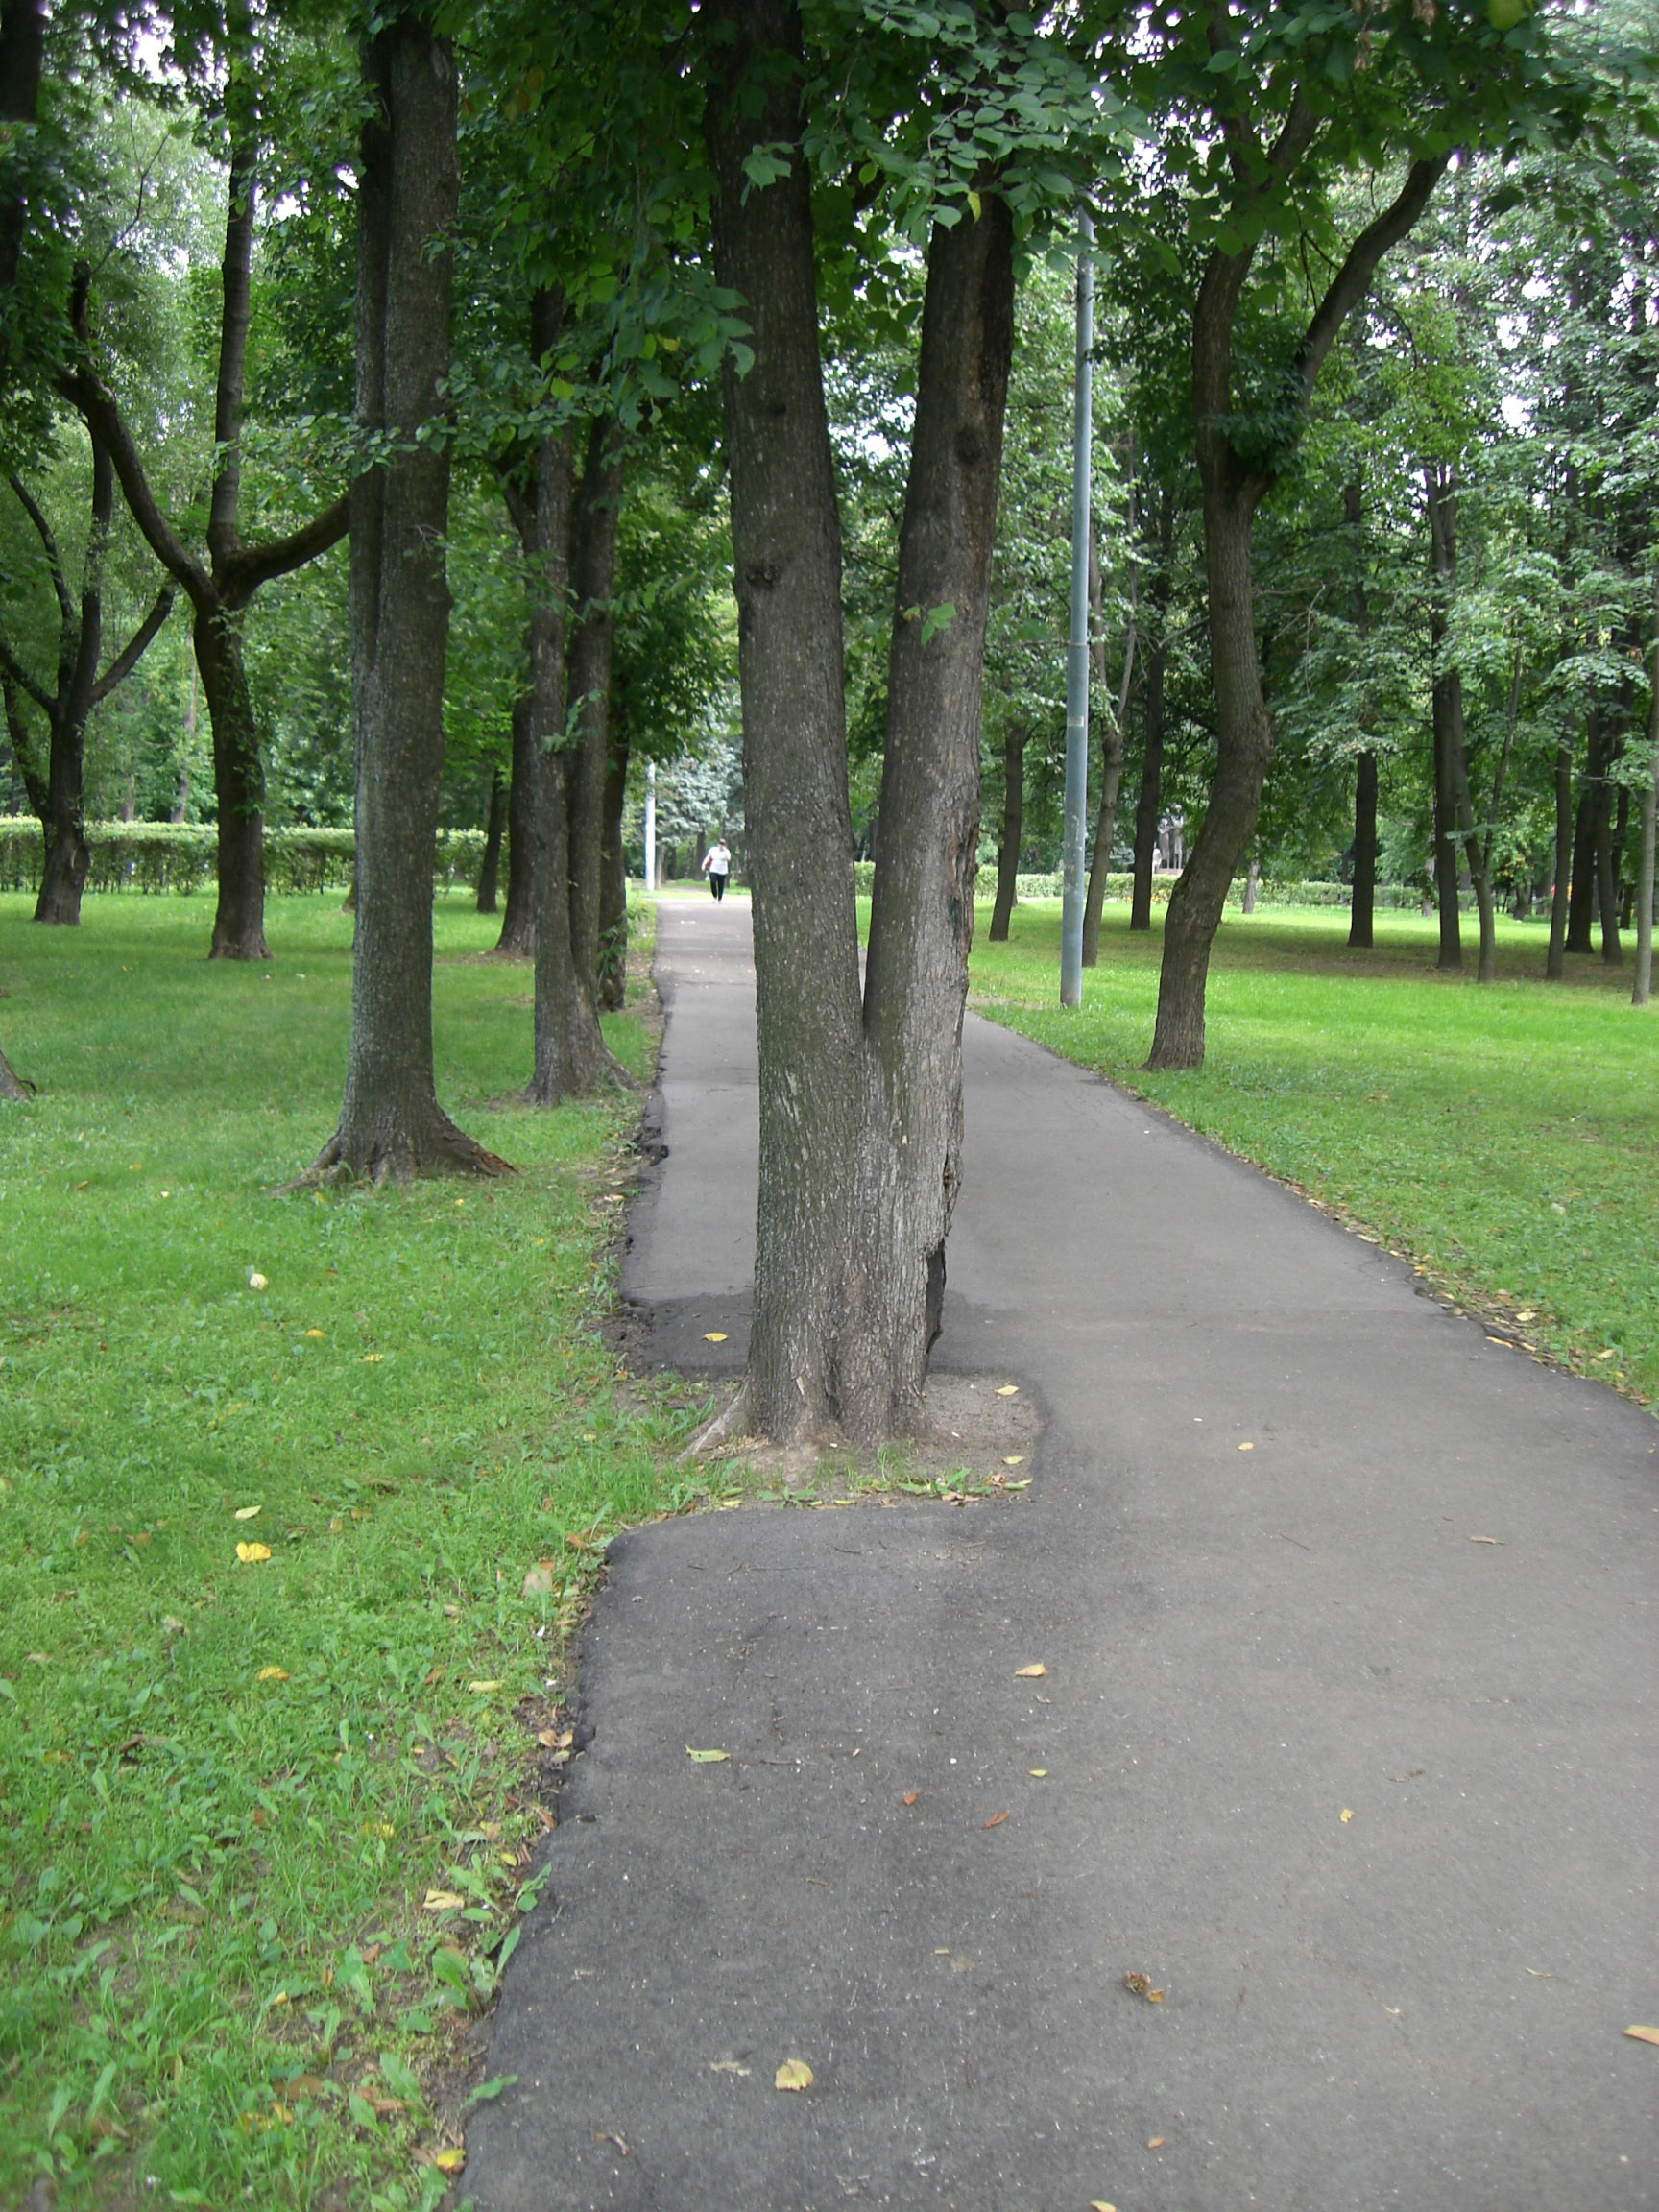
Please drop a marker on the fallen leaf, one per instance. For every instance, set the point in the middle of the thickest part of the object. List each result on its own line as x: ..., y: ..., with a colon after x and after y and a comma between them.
x: 538, y: 1582
x: 249, y: 1512
x: 996, y: 1820
x: 729, y: 2066
x: 608, y: 2137
x: 793, y: 2074
x: 1038, y: 1773
x: 256, y: 1280
x: 1644, y: 2035
x: 483, y: 1689
x: 1155, y: 2142
x: 1032, y: 1673
x: 1100, y: 2204
x: 1015, y: 1459
x: 314, y: 1332
x: 1009, y: 1390
x: 431, y: 1675
x: 713, y: 1336
x: 251, y: 1554
x: 911, y: 1795
x: 1610, y: 1353
x: 1246, y: 1447
x: 1540, y: 1974
x: 449, y: 2160
x: 1141, y: 1986
x: 272, y: 1675
x: 1411, y: 1774
x: 1531, y: 1314
x: 442, y: 1901
x: 706, y: 1757
x: 373, y: 1358
x: 1346, y: 1814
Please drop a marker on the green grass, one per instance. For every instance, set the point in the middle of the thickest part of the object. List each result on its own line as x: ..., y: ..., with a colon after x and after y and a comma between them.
x: 227, y: 1785
x: 1506, y: 1139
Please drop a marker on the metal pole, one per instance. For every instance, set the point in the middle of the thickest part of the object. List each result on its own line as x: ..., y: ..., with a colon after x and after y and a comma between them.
x: 650, y: 825
x: 1078, y: 653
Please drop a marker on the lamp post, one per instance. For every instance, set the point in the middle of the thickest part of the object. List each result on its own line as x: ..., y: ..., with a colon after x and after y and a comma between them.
x: 1077, y: 651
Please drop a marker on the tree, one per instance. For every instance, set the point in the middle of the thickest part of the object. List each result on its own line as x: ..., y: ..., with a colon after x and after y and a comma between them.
x: 391, y: 1126
x: 1270, y: 107
x: 220, y: 581
x: 77, y: 690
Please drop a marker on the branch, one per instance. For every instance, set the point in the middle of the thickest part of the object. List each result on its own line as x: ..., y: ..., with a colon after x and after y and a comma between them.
x: 236, y: 281
x: 34, y: 783
x: 15, y: 672
x: 1351, y: 282
x: 136, y: 646
x: 252, y: 565
x: 102, y: 413
x: 60, y: 583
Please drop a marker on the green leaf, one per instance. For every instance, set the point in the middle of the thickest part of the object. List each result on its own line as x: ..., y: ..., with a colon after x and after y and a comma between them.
x: 486, y: 2090
x: 937, y: 619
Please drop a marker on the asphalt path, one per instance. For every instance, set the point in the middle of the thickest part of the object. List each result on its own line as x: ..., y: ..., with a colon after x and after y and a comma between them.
x: 1346, y: 1737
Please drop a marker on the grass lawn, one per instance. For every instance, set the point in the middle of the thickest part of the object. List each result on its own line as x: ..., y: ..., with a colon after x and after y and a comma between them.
x: 1506, y: 1139
x: 271, y: 1677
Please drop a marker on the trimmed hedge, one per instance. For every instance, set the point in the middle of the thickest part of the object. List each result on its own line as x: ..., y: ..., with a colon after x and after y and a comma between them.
x: 1119, y: 884
x: 181, y: 856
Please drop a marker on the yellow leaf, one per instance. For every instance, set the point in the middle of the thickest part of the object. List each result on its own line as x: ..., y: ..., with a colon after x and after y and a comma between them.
x: 1246, y: 1447
x: 317, y: 1333
x: 1644, y: 2035
x: 1100, y: 2204
x: 256, y: 1280
x: 440, y: 1901
x: 272, y: 1675
x: 713, y: 1336
x: 1009, y: 1390
x: 251, y: 1554
x: 451, y: 2161
x: 973, y: 205
x: 1038, y: 1773
x: 1013, y: 1459
x: 1156, y: 2142
x: 483, y: 1689
x: 249, y: 1512
x: 706, y: 1757
x: 793, y: 2074
x: 1346, y: 1814
x: 373, y: 1358
x: 1141, y: 1986
x: 1033, y: 1673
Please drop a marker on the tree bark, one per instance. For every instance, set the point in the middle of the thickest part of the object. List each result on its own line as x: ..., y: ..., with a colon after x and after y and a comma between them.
x: 786, y: 574
x: 1582, y: 906
x: 1607, y: 862
x: 922, y: 904
x: 494, y: 828
x: 1555, y: 960
x: 1014, y: 736
x: 392, y: 1127
x: 22, y: 54
x: 593, y: 585
x: 1112, y: 727
x: 613, y: 885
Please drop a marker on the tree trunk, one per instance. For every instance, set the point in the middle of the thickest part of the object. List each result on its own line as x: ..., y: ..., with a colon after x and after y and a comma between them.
x: 1363, y: 903
x: 517, y: 936
x: 921, y: 906
x: 1642, y: 988
x: 391, y: 1124
x: 1013, y: 807
x: 63, y: 874
x: 593, y: 585
x: 1112, y: 724
x: 1609, y: 848
x: 1555, y: 961
x: 1149, y: 800
x: 786, y: 573
x: 613, y: 885
x: 1243, y: 745
x: 490, y: 872
x: 10, y: 1086
x: 238, y: 784
x: 1453, y: 807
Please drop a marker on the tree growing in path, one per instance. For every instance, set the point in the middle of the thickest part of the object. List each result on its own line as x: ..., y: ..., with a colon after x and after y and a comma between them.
x: 392, y: 1127
x: 76, y: 689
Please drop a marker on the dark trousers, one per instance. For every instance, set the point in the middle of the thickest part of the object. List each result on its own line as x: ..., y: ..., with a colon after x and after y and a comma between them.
x: 717, y: 884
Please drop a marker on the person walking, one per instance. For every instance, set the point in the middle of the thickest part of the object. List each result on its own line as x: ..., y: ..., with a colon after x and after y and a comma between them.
x: 717, y: 866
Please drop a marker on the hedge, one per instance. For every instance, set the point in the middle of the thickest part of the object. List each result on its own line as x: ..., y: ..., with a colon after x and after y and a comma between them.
x: 1119, y: 884
x: 181, y: 856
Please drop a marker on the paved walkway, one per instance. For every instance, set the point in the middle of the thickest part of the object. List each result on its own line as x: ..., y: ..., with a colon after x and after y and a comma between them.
x: 1348, y: 1739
